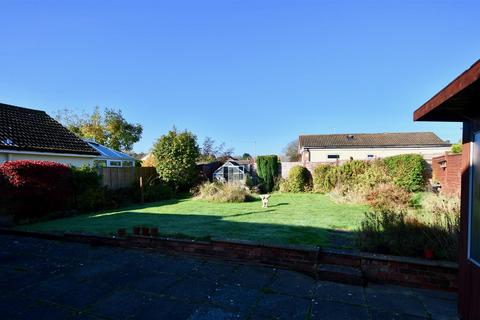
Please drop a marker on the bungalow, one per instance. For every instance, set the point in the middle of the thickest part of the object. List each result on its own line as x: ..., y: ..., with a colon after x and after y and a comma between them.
x: 27, y: 134
x: 367, y: 146
x: 459, y: 101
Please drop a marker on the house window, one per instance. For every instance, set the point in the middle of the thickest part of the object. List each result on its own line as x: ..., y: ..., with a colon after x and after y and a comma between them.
x: 127, y: 163
x: 100, y: 163
x: 474, y: 223
x: 371, y: 156
x: 333, y: 156
x: 115, y: 163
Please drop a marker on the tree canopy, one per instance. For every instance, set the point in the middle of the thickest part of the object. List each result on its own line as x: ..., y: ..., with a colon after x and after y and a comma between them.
x: 110, y: 129
x: 211, y: 152
x: 290, y: 152
x: 176, y: 154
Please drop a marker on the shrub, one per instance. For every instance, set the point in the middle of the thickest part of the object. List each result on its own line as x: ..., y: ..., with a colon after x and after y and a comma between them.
x: 389, y: 232
x: 36, y: 188
x: 267, y: 170
x: 389, y: 197
x: 436, y: 227
x: 299, y: 180
x: 347, y: 194
x: 457, y: 147
x: 320, y: 174
x: 407, y: 171
x: 374, y: 174
x: 438, y: 204
x: 176, y: 155
x: 332, y: 178
x: 223, y: 192
x: 349, y: 171
x: 156, y: 190
x: 87, y: 191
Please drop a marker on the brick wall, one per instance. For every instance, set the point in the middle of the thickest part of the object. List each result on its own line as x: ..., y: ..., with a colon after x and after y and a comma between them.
x: 447, y: 170
x: 307, y: 259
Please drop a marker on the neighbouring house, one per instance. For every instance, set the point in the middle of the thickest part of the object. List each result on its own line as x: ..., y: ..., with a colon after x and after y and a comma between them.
x: 321, y: 148
x: 234, y: 170
x: 110, y: 158
x: 447, y: 173
x: 459, y: 101
x: 27, y: 134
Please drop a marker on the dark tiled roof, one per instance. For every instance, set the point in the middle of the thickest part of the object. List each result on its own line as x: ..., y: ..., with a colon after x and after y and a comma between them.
x: 25, y: 129
x: 368, y: 140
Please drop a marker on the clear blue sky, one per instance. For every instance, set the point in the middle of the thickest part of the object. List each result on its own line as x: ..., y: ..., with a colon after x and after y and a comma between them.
x: 239, y: 71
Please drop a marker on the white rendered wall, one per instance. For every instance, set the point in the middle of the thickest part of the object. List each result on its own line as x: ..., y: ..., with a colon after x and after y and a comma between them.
x: 68, y: 160
x: 321, y: 155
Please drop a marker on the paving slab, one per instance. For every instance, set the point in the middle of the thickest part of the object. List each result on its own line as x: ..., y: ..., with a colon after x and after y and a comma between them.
x: 293, y: 283
x: 401, y: 303
x: 240, y: 300
x: 338, y: 292
x: 338, y: 311
x: 44, y: 279
x: 277, y: 306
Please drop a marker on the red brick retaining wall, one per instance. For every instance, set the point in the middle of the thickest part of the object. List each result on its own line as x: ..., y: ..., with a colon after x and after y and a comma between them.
x: 375, y: 268
x: 447, y: 170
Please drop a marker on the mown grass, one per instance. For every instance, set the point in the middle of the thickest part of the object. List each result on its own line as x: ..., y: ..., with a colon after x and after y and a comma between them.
x: 290, y: 219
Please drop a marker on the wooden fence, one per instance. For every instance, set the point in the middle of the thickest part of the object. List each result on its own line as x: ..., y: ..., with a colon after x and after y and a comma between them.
x: 116, y: 178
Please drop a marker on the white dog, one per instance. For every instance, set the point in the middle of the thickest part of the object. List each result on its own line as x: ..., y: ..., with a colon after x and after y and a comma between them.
x: 264, y: 198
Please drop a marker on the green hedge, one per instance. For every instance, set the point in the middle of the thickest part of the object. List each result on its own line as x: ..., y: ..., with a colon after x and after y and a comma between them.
x: 407, y: 171
x: 267, y: 170
x: 321, y: 175
x: 299, y: 180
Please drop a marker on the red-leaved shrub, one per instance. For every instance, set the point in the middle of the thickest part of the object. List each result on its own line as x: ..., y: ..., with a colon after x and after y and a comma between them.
x: 35, y: 188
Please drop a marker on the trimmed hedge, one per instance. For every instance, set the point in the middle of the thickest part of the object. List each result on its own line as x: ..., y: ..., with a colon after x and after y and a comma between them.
x: 320, y: 181
x: 299, y: 180
x: 35, y: 190
x: 268, y: 170
x: 407, y: 171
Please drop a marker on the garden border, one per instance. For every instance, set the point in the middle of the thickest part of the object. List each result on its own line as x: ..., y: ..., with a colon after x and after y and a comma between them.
x: 413, y: 272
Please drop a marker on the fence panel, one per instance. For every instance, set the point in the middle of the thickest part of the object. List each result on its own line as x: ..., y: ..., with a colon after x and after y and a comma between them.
x: 116, y: 178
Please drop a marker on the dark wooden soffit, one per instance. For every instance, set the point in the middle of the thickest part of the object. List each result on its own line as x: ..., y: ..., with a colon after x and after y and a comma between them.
x: 458, y: 101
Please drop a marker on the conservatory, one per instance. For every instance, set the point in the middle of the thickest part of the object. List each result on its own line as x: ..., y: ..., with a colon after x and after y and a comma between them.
x: 110, y: 158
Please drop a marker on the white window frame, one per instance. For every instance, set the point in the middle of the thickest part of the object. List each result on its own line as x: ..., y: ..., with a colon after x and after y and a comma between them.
x: 470, y: 201
x: 113, y: 165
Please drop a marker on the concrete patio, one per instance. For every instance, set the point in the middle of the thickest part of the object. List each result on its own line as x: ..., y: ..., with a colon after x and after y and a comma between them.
x: 42, y: 279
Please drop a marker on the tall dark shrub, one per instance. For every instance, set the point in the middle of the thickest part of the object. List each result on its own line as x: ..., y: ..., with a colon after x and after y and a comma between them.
x: 87, y: 190
x: 268, y: 169
x: 36, y: 188
x: 408, y: 171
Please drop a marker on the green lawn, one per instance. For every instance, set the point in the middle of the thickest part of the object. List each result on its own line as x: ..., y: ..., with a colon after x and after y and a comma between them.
x: 290, y: 219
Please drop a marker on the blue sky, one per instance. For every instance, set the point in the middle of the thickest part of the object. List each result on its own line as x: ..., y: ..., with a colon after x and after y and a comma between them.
x: 254, y: 74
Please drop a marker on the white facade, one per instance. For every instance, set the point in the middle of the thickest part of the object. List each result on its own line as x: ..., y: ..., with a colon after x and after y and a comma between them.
x: 76, y: 160
x: 345, y: 154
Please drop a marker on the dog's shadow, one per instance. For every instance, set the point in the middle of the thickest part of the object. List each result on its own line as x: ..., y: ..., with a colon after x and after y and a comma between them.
x: 278, y: 204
